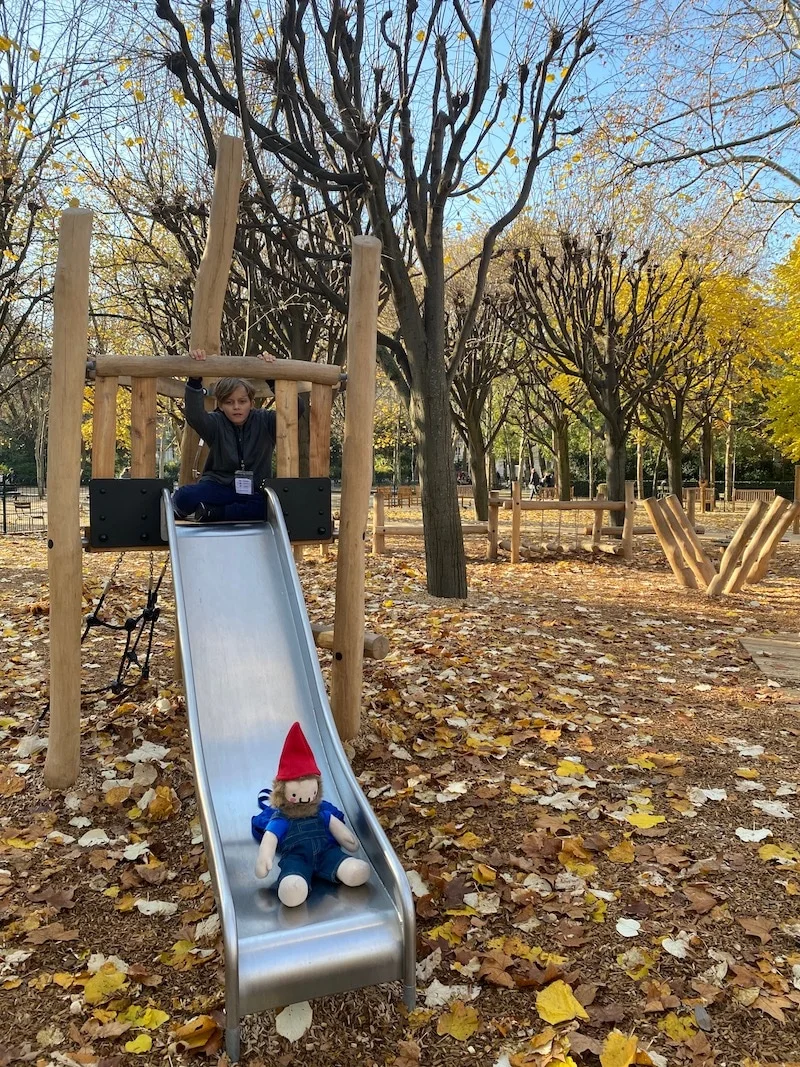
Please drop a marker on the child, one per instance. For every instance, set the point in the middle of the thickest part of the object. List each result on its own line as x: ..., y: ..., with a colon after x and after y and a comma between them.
x: 241, y: 440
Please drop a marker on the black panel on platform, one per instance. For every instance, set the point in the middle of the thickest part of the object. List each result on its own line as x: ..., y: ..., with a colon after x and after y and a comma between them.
x: 306, y: 507
x: 126, y: 512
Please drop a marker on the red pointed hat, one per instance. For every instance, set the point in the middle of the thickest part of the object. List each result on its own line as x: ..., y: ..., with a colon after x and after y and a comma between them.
x: 297, y: 759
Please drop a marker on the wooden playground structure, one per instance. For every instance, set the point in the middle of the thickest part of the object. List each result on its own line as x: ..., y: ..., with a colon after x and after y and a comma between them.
x: 151, y: 376
x: 745, y: 560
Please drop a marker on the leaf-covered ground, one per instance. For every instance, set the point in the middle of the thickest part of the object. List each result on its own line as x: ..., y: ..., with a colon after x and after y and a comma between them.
x: 594, y: 790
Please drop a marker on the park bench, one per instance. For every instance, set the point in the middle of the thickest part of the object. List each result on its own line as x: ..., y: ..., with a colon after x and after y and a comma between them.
x: 748, y: 496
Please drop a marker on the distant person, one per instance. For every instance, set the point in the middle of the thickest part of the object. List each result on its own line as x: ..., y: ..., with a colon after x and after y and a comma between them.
x: 533, y: 484
x: 549, y: 480
x: 241, y: 440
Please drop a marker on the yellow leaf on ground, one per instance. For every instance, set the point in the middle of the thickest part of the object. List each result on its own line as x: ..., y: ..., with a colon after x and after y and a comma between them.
x: 460, y: 1022
x: 623, y: 852
x: 196, y: 1032
x: 746, y: 772
x: 783, y: 852
x: 469, y: 840
x: 618, y: 1050
x: 569, y: 768
x: 642, y: 821
x: 104, y: 985
x: 679, y: 1028
x: 483, y: 874
x: 142, y: 1043
x: 642, y: 761
x: 556, y: 1003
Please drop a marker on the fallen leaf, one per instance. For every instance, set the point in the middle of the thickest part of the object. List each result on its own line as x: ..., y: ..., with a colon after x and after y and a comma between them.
x: 460, y: 1022
x: 760, y: 928
x: 557, y: 1003
x: 618, y: 1050
x: 293, y: 1021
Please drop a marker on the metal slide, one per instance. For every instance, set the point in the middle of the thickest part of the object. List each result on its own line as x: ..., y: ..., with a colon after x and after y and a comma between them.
x: 250, y: 670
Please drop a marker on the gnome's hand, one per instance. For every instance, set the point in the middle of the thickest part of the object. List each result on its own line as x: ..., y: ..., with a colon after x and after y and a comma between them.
x: 342, y: 834
x: 266, y: 854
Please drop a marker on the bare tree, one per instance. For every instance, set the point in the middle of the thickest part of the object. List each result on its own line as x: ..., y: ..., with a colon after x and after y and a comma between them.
x: 393, y: 120
x: 612, y: 322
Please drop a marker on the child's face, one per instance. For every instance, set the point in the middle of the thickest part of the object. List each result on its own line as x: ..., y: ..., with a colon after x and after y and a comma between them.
x: 236, y: 407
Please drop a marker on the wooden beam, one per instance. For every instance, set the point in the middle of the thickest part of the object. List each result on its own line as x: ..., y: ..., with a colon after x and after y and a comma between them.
x: 319, y: 452
x: 287, y: 463
x: 64, y: 559
x: 215, y: 366
x: 415, y: 529
x: 704, y: 569
x: 669, y: 543
x: 736, y: 548
x: 104, y: 428
x: 362, y: 331
x: 143, y: 428
x: 567, y: 505
x: 757, y: 538
x: 376, y: 646
x: 210, y: 286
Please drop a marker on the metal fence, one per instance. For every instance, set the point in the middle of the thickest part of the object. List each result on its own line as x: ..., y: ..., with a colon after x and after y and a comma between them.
x: 24, y: 510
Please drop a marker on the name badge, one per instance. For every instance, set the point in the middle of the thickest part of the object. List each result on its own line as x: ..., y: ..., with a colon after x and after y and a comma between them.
x: 243, y: 482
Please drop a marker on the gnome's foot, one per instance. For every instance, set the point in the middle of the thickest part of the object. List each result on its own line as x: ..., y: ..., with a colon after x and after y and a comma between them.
x: 352, y: 872
x: 293, y: 890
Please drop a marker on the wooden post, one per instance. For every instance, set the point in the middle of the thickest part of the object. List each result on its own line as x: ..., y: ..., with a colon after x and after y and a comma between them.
x: 693, y: 550
x: 752, y: 549
x: 597, y: 527
x: 736, y: 548
x: 494, y: 522
x: 691, y: 506
x: 319, y: 447
x: 796, y: 523
x: 362, y: 330
x: 143, y: 427
x: 287, y: 441
x: 669, y: 543
x: 104, y: 428
x: 516, y: 520
x: 781, y: 524
x: 212, y: 274
x: 378, y: 522
x: 627, y: 528
x: 64, y: 562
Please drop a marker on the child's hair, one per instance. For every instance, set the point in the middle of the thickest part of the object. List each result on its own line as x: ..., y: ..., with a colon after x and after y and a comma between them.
x: 225, y: 386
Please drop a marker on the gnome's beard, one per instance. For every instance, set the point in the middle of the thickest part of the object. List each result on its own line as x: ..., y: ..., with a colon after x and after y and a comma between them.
x: 298, y: 809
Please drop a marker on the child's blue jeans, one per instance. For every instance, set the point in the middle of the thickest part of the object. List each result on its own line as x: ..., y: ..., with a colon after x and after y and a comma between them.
x: 234, y: 506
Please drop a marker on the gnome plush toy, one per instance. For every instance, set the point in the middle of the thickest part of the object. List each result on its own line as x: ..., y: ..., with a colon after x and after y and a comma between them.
x: 306, y: 831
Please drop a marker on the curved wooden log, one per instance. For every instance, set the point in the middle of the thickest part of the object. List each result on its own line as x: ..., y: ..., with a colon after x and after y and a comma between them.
x: 672, y: 549
x: 376, y: 646
x: 754, y: 521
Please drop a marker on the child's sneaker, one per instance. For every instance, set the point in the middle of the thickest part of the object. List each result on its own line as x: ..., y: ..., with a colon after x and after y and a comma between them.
x: 208, y: 513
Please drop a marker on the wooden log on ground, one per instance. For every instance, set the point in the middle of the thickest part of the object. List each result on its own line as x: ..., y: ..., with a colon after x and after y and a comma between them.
x: 64, y: 559
x: 493, y: 526
x: 376, y: 646
x: 378, y: 520
x: 671, y: 547
x: 516, y: 520
x: 348, y: 628
x: 104, y: 428
x: 738, y: 544
x: 209, y: 290
x: 782, y: 523
x: 538, y: 552
x: 627, y: 526
x: 638, y: 531
x: 704, y: 569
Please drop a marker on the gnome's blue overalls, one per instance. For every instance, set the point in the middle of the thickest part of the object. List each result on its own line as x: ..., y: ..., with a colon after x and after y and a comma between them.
x: 307, y: 847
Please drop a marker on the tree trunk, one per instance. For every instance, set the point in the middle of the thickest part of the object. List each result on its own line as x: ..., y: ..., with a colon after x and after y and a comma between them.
x: 562, y: 468
x: 730, y: 450
x: 41, y: 453
x: 444, y: 541
x: 675, y: 466
x: 616, y: 463
x: 707, y: 448
x: 476, y: 447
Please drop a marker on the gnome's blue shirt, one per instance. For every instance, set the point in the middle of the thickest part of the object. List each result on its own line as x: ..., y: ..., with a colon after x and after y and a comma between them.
x: 307, y: 846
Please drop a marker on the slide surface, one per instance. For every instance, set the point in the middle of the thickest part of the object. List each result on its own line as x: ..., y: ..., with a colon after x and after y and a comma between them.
x: 250, y: 670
